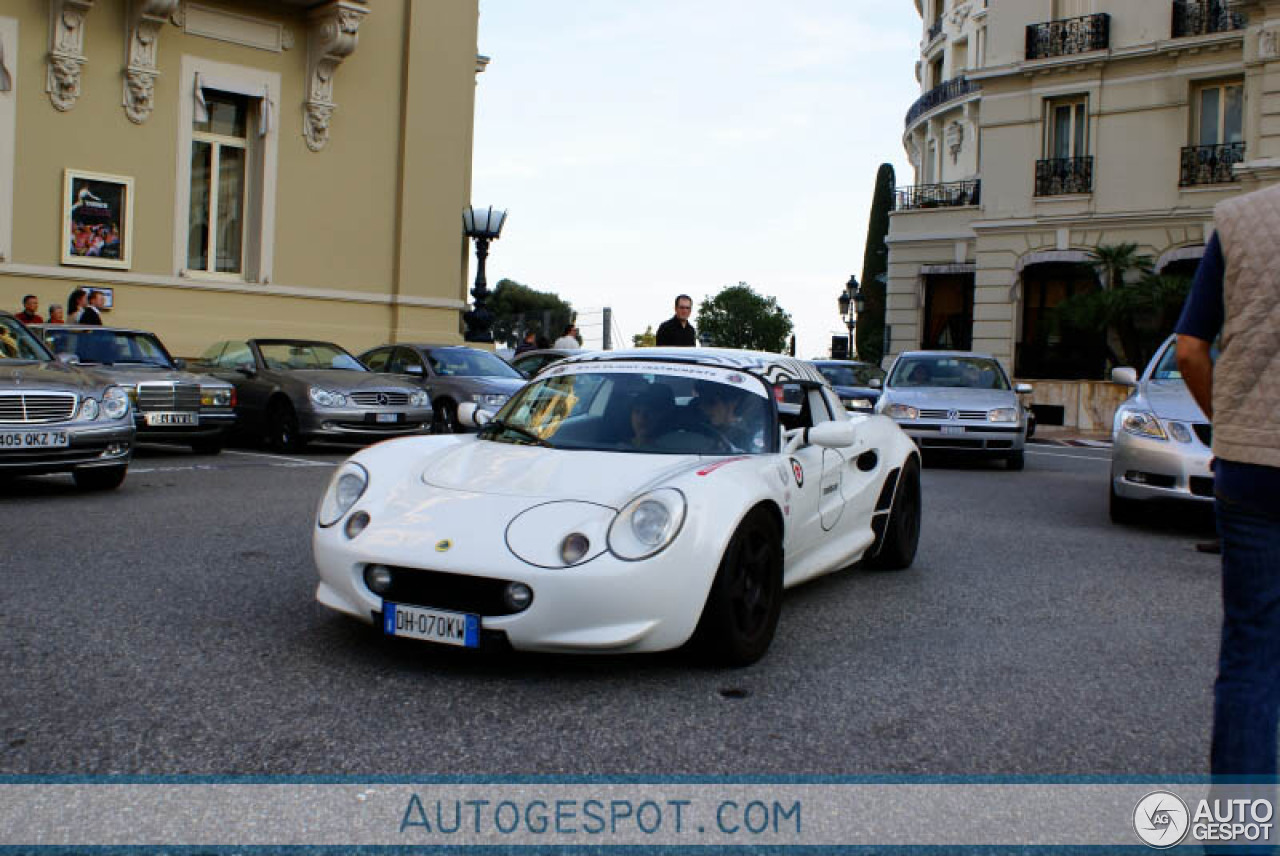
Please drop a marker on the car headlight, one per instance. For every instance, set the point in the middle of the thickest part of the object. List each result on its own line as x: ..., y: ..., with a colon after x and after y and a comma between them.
x: 419, y: 398
x: 1003, y: 414
x: 1180, y: 432
x: 858, y: 403
x: 346, y: 487
x: 647, y: 524
x: 1142, y: 424
x: 217, y: 396
x: 115, y: 403
x: 325, y: 398
x: 490, y: 400
x: 901, y: 411
x: 89, y: 409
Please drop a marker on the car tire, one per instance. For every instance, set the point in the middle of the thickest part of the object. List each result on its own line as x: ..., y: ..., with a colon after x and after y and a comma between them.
x: 1123, y: 511
x: 207, y: 447
x: 902, y: 532
x: 741, y: 613
x: 282, y: 428
x: 444, y: 417
x: 1016, y: 461
x: 100, y: 478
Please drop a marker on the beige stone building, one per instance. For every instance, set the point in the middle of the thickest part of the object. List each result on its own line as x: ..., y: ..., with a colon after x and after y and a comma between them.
x: 240, y: 167
x: 1046, y: 128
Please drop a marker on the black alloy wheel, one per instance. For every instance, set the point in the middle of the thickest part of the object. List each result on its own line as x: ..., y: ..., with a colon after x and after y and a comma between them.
x: 444, y: 417
x: 741, y: 614
x: 282, y: 428
x: 902, y: 533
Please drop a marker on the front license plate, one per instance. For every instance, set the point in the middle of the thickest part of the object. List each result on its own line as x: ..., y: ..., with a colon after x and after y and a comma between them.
x: 433, y: 625
x: 172, y: 418
x: 952, y: 430
x: 34, y: 440
x: 387, y: 417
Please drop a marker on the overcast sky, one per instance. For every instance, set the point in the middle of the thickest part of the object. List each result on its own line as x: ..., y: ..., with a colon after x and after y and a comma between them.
x: 650, y: 147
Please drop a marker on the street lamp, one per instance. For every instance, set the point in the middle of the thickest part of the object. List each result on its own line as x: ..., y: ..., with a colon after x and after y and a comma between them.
x: 851, y: 303
x: 484, y: 225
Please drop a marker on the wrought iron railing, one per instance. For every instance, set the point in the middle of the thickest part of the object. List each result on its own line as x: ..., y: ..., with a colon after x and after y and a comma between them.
x: 1069, y: 36
x: 1202, y: 17
x: 1061, y: 176
x: 1210, y: 164
x: 954, y: 88
x: 954, y: 194
x: 935, y: 30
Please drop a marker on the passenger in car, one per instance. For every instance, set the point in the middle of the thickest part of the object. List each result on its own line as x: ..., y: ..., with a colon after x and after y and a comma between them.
x: 652, y: 412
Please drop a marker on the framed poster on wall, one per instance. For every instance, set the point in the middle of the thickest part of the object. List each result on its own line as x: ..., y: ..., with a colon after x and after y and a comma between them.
x: 97, y: 219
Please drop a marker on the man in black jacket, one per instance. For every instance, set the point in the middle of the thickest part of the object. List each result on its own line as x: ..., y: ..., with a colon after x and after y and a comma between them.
x: 677, y: 332
x: 92, y: 312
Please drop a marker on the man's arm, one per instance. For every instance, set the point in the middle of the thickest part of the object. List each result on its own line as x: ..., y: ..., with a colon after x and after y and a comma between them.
x: 1196, y: 365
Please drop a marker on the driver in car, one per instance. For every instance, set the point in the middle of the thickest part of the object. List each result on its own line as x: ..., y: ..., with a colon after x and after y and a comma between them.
x: 715, y: 412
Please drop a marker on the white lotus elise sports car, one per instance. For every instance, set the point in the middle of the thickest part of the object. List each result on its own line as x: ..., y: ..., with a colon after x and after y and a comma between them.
x: 622, y: 501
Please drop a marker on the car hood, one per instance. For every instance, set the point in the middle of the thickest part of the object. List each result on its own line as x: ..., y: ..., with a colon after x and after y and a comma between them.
x: 133, y: 375
x: 48, y: 376
x: 337, y: 380
x: 942, y: 398
x: 533, y: 472
x: 1170, y: 399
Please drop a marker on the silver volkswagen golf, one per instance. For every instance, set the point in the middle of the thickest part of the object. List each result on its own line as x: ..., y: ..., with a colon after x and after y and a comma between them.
x: 957, y: 401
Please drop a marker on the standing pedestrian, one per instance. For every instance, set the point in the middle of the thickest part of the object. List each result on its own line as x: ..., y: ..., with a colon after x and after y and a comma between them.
x: 76, y: 302
x: 677, y: 332
x: 1236, y: 292
x: 530, y: 343
x: 28, y: 315
x: 568, y: 339
x: 92, y: 313
x: 56, y: 315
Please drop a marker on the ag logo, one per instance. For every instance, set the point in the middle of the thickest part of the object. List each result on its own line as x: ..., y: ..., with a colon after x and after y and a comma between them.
x: 444, y: 546
x: 1161, y: 819
x: 798, y: 472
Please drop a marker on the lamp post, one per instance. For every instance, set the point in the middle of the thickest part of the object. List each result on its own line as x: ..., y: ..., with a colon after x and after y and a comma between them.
x: 851, y: 303
x: 483, y: 225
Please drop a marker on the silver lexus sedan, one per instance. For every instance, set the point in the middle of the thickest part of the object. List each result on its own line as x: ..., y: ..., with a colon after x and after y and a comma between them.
x: 1160, y: 440
x: 958, y: 401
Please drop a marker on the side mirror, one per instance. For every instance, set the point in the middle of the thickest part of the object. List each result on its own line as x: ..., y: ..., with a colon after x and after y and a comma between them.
x: 69, y: 359
x: 247, y: 369
x: 179, y: 363
x: 875, y: 383
x: 1125, y: 376
x: 1023, y: 388
x: 833, y: 435
x: 471, y: 416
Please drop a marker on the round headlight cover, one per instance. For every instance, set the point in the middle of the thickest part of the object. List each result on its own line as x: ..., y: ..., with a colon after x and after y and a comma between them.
x: 89, y: 409
x: 647, y: 524
x: 115, y: 403
x: 346, y: 488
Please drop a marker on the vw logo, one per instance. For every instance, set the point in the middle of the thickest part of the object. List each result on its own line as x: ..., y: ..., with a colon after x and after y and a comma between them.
x: 953, y: 415
x: 383, y: 401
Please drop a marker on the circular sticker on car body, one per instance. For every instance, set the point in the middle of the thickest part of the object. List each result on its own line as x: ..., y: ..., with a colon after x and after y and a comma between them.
x: 798, y: 471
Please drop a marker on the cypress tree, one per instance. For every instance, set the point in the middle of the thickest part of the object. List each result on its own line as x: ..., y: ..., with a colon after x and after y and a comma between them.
x: 875, y: 265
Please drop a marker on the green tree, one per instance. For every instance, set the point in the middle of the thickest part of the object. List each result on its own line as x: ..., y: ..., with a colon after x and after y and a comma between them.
x: 875, y: 267
x: 518, y: 308
x: 647, y: 339
x: 738, y: 317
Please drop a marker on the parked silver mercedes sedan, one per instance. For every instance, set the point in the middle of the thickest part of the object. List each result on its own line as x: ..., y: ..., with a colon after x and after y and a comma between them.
x: 169, y: 405
x: 1160, y: 440
x: 957, y: 401
x: 59, y: 418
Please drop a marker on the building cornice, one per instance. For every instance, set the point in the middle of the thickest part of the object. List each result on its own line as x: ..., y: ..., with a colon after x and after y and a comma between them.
x: 1093, y: 220
x: 1162, y: 47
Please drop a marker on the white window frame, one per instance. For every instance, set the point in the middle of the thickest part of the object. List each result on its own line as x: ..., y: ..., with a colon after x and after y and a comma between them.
x: 217, y: 143
x: 1197, y: 106
x: 258, y: 249
x: 8, y: 135
x: 1051, y: 106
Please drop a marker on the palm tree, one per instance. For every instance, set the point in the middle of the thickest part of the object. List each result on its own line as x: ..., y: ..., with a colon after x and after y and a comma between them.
x: 1114, y: 261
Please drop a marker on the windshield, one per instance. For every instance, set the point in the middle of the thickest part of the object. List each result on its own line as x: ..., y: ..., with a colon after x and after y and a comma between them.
x: 291, y: 356
x: 850, y: 375
x: 649, y: 409
x: 949, y: 372
x: 107, y: 347
x: 1167, y: 368
x: 468, y: 362
x: 17, y: 343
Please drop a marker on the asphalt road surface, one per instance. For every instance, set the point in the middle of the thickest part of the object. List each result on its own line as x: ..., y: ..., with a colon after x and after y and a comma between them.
x: 171, y: 628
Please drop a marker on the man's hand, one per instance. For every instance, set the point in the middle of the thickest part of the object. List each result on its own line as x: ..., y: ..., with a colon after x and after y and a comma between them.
x: 1196, y: 365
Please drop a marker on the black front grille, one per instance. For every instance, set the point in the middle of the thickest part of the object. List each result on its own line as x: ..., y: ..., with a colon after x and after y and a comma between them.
x: 1204, y: 431
x: 1202, y: 486
x: 456, y: 592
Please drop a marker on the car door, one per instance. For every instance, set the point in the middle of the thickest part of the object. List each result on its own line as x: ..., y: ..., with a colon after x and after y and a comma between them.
x: 252, y: 391
x: 816, y: 475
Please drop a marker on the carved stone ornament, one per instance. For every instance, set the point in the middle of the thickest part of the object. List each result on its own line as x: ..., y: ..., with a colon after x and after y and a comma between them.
x: 913, y: 152
x: 66, y: 51
x: 1269, y: 44
x: 146, y: 18
x: 955, y: 140
x: 959, y: 15
x: 331, y: 38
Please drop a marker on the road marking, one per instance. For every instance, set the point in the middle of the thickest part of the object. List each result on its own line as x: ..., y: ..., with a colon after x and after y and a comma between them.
x: 1105, y: 460
x: 297, y: 461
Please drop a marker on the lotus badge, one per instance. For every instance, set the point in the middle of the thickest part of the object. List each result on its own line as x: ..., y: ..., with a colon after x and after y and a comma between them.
x: 443, y: 546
